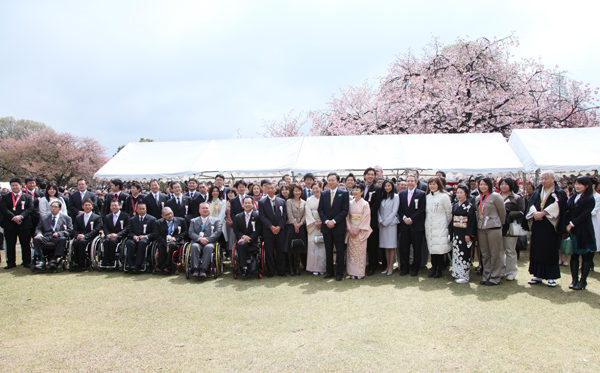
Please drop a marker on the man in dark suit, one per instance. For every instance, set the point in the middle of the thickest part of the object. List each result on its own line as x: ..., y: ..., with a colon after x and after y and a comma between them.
x: 170, y: 232
x: 35, y: 193
x: 196, y: 196
x: 421, y: 185
x: 17, y: 207
x: 309, y: 180
x: 333, y: 209
x: 237, y: 203
x: 372, y: 195
x: 116, y: 226
x: 155, y: 200
x: 86, y: 227
x: 220, y: 183
x: 247, y: 228
x: 116, y: 192
x: 76, y: 199
x: 412, y: 225
x: 180, y: 204
x: 273, y: 215
x: 132, y: 201
x: 54, y: 227
x: 141, y: 232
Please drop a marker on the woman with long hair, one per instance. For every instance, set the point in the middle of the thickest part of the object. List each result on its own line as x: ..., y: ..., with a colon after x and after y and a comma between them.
x: 491, y: 216
x: 438, y: 212
x: 388, y: 223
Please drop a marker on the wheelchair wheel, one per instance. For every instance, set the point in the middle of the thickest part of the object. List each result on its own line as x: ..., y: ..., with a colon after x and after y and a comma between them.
x: 221, y: 267
x: 217, y: 261
x: 262, y: 259
x: 186, y: 260
x: 234, y: 261
x: 96, y: 252
x: 153, y: 260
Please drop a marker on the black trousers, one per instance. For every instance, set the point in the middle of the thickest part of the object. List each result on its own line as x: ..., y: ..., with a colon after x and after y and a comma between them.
x: 338, y: 239
x: 165, y: 253
x: 437, y: 260
x: 110, y: 248
x: 243, y: 249
x: 415, y: 239
x: 587, y: 257
x: 24, y: 236
x: 273, y: 252
x: 136, y: 252
x: 373, y: 249
x: 79, y: 254
x: 59, y: 248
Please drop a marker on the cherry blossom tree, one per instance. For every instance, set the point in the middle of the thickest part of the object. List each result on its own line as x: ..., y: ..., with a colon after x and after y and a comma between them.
x: 51, y: 156
x: 290, y: 126
x: 469, y: 86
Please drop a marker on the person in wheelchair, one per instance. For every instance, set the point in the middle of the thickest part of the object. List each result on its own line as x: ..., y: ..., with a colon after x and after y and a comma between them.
x: 204, y: 232
x: 141, y: 232
x: 85, y: 228
x: 170, y: 231
x: 247, y: 228
x: 54, y: 227
x: 116, y: 228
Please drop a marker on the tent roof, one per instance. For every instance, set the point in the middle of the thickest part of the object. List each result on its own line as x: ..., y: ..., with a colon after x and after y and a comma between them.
x: 571, y: 149
x: 456, y: 153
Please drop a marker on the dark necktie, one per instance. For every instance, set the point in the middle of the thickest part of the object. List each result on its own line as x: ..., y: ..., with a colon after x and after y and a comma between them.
x: 53, y: 222
x: 274, y: 212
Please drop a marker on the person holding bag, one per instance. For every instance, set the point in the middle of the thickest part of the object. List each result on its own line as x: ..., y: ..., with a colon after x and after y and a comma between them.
x: 515, y: 206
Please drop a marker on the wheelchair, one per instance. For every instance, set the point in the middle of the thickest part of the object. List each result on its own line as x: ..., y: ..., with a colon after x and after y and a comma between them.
x: 88, y: 254
x: 147, y: 262
x: 216, y: 260
x: 255, y: 262
x: 176, y: 258
x: 47, y: 253
x: 97, y: 255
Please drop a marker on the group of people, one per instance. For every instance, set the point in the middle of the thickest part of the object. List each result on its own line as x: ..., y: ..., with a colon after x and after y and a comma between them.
x: 327, y: 227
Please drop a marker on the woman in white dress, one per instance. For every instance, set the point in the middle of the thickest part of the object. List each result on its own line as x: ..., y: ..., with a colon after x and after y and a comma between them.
x: 315, y: 256
x: 388, y: 224
x: 438, y: 213
x: 51, y: 196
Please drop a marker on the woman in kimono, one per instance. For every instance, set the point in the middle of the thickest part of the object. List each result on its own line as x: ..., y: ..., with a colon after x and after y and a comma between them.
x: 388, y: 224
x: 218, y: 209
x: 296, y: 228
x: 315, y: 259
x: 546, y: 214
x: 579, y: 218
x: 358, y: 225
x: 464, y: 228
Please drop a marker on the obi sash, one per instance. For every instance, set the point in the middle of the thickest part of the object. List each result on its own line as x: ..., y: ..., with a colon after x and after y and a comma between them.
x: 460, y: 221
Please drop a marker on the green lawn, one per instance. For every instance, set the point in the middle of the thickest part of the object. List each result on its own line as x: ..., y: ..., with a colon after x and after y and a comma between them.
x: 108, y: 321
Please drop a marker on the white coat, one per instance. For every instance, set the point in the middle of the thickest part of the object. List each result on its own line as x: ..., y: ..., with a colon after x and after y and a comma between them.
x: 438, y: 212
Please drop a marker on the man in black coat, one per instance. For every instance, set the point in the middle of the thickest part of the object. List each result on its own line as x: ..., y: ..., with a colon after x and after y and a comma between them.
x: 76, y: 200
x: 86, y: 227
x: 54, y: 227
x: 180, y: 205
x: 247, y: 228
x: 17, y: 207
x: 372, y: 195
x: 412, y: 225
x: 116, y: 228
x: 35, y: 193
x: 170, y: 232
x: 237, y: 203
x: 333, y: 209
x: 273, y: 215
x: 155, y: 200
x: 141, y: 232
x: 136, y: 197
x: 116, y: 192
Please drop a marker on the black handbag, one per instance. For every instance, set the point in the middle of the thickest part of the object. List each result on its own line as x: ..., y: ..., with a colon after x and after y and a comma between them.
x: 297, y: 244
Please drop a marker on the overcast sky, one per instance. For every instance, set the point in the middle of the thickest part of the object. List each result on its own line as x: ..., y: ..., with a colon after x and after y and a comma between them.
x: 189, y: 70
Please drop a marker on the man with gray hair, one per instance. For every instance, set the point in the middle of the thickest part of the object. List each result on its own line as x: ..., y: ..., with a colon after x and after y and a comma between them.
x: 54, y: 227
x: 170, y: 232
x: 204, y: 232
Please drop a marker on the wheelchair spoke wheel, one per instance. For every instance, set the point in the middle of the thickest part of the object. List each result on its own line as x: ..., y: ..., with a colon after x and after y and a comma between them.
x: 233, y: 261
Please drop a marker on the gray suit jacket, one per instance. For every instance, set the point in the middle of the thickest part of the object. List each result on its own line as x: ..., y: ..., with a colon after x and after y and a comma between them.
x: 212, y: 229
x: 64, y: 226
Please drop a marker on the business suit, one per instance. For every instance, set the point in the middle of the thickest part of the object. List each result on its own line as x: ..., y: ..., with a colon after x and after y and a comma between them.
x: 64, y: 228
x: 177, y: 229
x: 273, y: 242
x: 152, y: 207
x: 211, y: 230
x: 252, y: 230
x: 196, y: 199
x: 136, y: 251
x: 75, y: 203
x: 183, y: 209
x: 35, y: 214
x: 414, y: 233
x: 237, y: 205
x: 121, y: 197
x: 336, y: 210
x: 373, y: 196
x: 131, y: 203
x: 23, y: 207
x: 121, y: 229
x: 89, y: 230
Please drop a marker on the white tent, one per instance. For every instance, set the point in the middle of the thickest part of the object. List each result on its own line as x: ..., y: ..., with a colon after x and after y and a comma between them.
x: 456, y: 153
x: 571, y: 149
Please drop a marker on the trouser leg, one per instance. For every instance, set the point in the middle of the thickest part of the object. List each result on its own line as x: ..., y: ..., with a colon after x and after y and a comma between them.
x: 207, y: 252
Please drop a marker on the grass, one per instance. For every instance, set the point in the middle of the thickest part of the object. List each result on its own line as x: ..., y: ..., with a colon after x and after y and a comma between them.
x: 108, y: 321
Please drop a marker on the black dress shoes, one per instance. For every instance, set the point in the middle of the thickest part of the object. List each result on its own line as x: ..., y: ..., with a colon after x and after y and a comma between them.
x: 403, y: 272
x: 370, y: 272
x: 26, y: 265
x: 9, y: 266
x: 282, y: 274
x: 339, y: 277
x: 489, y: 283
x: 414, y: 272
x: 329, y: 275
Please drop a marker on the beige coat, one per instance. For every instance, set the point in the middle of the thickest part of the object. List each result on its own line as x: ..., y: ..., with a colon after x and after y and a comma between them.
x: 494, y: 212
